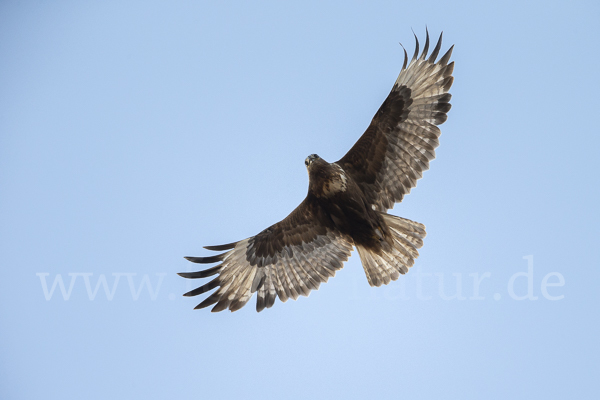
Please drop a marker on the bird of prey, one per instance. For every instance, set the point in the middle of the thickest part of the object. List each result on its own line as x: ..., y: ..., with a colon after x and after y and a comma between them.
x: 346, y: 203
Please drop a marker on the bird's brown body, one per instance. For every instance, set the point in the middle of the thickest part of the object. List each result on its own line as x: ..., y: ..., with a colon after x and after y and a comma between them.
x: 345, y: 204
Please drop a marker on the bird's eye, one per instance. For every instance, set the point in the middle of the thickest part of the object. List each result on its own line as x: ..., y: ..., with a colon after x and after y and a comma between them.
x: 306, y: 162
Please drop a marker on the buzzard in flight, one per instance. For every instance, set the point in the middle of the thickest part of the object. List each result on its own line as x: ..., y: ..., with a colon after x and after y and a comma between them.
x: 346, y: 203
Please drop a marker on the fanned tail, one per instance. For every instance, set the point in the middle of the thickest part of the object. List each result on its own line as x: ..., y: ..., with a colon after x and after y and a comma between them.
x: 390, y: 261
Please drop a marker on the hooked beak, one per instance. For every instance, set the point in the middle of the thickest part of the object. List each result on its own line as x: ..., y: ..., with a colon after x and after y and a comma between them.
x: 310, y: 159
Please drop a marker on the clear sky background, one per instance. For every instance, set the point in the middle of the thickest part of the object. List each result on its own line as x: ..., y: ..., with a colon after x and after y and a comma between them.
x: 133, y: 133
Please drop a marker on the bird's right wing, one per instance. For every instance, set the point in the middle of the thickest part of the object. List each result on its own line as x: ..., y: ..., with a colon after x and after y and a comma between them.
x: 396, y: 148
x: 288, y: 259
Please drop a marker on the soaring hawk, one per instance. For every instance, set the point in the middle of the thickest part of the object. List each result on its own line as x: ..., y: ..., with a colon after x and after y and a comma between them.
x: 346, y: 203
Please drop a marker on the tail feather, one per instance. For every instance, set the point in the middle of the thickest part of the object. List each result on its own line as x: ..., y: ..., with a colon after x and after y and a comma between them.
x: 390, y: 261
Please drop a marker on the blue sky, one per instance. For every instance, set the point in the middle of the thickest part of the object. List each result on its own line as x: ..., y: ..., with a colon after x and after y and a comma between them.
x: 133, y: 134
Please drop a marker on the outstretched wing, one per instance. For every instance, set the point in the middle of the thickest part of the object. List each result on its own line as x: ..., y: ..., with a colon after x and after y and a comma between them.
x: 396, y: 148
x: 286, y: 260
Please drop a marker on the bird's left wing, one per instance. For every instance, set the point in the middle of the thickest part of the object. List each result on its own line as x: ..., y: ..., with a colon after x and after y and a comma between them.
x: 396, y: 148
x: 288, y: 259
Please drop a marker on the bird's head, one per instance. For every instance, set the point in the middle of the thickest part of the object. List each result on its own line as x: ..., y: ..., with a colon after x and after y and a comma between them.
x: 310, y: 159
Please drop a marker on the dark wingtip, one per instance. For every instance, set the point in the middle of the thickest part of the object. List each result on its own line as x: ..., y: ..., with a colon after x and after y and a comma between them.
x: 446, y: 57
x: 200, y: 274
x: 426, y: 47
x: 416, y: 54
x: 222, y: 305
x: 405, y: 57
x: 204, y: 288
x: 210, y: 300
x: 221, y: 247
x: 206, y: 260
x: 436, y: 50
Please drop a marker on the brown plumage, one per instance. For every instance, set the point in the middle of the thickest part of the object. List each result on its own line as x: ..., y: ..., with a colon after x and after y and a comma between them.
x: 346, y: 203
